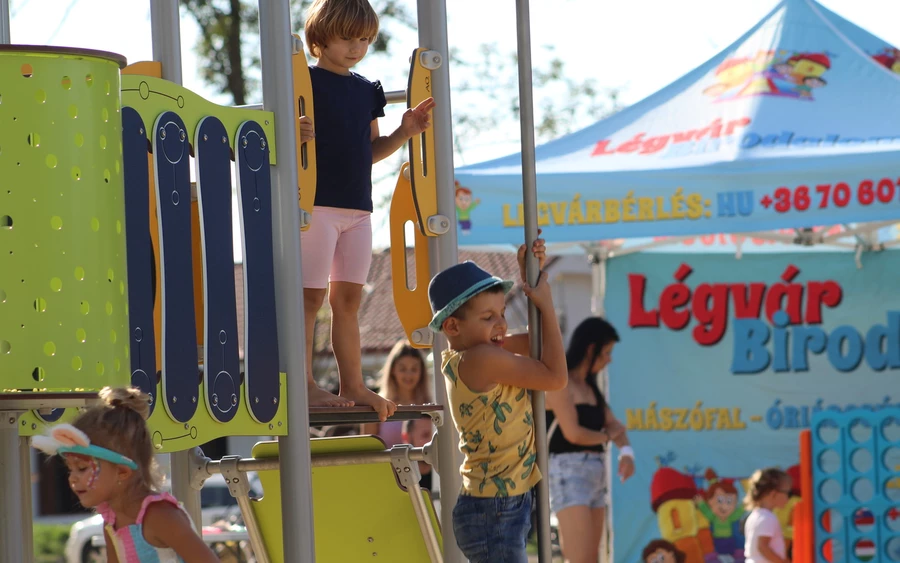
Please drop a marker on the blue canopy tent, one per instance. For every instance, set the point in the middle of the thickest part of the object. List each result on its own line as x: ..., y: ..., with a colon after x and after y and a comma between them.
x: 794, y: 125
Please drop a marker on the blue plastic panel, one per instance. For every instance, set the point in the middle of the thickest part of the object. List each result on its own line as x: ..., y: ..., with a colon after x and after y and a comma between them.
x: 260, y: 329
x: 140, y: 254
x: 171, y: 158
x: 856, y: 485
x: 221, y: 363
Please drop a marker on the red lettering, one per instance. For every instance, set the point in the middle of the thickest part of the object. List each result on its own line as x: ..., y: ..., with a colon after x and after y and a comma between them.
x: 794, y: 293
x: 828, y: 293
x: 601, y: 148
x: 637, y: 315
x: 675, y: 296
x: 713, y: 318
x: 747, y: 306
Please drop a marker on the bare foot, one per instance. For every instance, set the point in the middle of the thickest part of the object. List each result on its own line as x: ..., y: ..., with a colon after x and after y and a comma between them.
x: 364, y: 396
x: 319, y: 397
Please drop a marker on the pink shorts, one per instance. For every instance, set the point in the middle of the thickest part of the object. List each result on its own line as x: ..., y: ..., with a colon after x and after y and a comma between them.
x: 337, y: 247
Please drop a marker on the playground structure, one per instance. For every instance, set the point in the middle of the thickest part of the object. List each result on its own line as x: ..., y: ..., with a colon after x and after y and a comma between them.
x: 95, y: 158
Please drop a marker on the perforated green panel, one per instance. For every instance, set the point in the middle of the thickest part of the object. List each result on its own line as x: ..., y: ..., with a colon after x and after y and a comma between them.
x: 63, y: 293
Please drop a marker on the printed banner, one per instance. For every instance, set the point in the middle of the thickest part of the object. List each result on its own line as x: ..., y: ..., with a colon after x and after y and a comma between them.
x: 791, y: 126
x: 721, y: 363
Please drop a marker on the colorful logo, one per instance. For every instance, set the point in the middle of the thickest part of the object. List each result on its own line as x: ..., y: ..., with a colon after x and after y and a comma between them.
x: 889, y: 58
x: 770, y: 73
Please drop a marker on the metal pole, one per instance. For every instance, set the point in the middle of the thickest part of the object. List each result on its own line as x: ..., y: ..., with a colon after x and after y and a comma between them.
x: 432, y: 20
x: 529, y: 197
x: 5, y: 37
x: 165, y: 25
x: 27, y: 516
x: 165, y: 28
x: 11, y: 526
x: 277, y: 47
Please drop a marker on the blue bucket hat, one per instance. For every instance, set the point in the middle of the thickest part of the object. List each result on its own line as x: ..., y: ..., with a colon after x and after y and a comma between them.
x: 450, y: 289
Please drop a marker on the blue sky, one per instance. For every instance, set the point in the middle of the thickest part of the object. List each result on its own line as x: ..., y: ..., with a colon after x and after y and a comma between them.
x: 637, y: 46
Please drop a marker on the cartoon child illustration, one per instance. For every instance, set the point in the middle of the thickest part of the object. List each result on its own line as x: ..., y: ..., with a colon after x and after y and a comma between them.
x: 720, y: 505
x: 677, y: 517
x: 889, y: 59
x: 661, y: 551
x: 464, y: 207
x: 730, y: 74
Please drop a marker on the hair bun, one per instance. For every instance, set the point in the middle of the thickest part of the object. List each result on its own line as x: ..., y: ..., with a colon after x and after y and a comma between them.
x: 130, y: 398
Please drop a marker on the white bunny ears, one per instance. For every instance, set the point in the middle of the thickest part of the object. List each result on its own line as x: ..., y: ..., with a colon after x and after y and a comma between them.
x: 65, y: 438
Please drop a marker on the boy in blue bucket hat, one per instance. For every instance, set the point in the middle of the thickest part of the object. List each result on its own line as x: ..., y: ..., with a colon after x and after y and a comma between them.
x: 489, y: 376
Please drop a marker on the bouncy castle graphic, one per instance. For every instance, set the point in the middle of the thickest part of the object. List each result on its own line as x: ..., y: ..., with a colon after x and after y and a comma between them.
x: 770, y: 73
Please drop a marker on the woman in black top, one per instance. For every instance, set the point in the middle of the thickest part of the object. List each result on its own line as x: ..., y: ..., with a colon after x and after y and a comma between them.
x: 579, y: 426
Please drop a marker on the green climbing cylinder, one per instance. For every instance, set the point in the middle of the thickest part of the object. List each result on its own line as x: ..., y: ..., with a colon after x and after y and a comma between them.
x: 63, y: 289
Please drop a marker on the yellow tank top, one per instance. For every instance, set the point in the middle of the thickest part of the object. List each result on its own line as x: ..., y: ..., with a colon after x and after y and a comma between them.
x: 496, y: 435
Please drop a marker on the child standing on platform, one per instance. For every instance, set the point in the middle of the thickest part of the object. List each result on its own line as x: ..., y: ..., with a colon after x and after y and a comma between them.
x: 769, y: 489
x: 489, y: 378
x: 337, y: 248
x: 109, y: 455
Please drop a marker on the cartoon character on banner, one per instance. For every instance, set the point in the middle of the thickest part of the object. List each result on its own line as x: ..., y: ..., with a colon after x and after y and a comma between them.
x: 720, y: 504
x: 662, y: 551
x: 679, y: 521
x: 785, y: 514
x: 464, y: 207
x: 770, y: 74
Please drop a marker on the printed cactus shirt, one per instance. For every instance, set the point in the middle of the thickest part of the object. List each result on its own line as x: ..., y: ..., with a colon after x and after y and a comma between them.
x: 496, y: 435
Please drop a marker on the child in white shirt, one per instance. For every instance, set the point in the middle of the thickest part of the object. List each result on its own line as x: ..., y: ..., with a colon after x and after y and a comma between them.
x: 769, y: 489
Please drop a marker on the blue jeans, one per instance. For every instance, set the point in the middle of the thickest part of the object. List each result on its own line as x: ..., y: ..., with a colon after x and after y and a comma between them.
x: 493, y: 530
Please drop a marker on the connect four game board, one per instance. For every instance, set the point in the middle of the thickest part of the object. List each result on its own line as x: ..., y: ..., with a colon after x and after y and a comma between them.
x: 856, y: 485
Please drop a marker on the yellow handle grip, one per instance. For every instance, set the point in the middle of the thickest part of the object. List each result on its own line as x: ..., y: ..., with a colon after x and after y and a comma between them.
x: 306, y: 152
x: 421, y: 149
x: 410, y: 296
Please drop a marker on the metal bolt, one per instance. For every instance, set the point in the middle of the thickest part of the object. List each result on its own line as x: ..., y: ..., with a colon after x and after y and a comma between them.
x: 194, y: 400
x: 162, y: 132
x: 256, y: 399
x: 371, y: 540
x: 274, y: 400
x: 262, y: 143
x: 181, y: 134
x: 279, y: 423
x: 243, y: 141
x: 271, y: 427
x: 141, y: 130
x: 34, y: 426
x: 186, y: 426
x: 205, y: 137
x: 224, y: 139
x: 174, y: 399
x: 12, y: 420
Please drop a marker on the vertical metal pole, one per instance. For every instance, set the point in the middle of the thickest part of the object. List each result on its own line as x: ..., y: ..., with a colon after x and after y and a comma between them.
x: 598, y: 308
x: 529, y: 198
x: 12, y: 548
x: 278, y: 96
x: 5, y: 37
x: 432, y: 20
x: 165, y: 25
x: 27, y: 516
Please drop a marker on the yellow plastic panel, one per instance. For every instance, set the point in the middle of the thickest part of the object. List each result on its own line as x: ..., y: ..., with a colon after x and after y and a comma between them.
x: 306, y: 152
x: 421, y: 150
x: 63, y: 287
x: 360, y: 512
x: 413, y: 307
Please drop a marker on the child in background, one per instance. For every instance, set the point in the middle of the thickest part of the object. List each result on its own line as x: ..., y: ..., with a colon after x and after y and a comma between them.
x: 108, y: 452
x: 337, y: 248
x: 489, y: 376
x: 769, y: 489
x: 403, y: 382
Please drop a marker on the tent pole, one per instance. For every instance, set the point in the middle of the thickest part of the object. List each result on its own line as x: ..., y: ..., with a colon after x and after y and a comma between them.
x: 529, y: 197
x: 276, y: 47
x: 432, y: 20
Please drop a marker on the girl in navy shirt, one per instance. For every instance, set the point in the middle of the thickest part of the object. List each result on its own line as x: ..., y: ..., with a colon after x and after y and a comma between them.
x: 337, y: 248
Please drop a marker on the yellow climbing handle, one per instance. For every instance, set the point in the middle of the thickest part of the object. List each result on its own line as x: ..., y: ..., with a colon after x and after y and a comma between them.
x: 411, y: 304
x: 306, y: 152
x: 421, y: 148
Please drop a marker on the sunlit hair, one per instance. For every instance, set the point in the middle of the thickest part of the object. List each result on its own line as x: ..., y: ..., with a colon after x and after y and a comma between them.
x: 387, y: 385
x: 331, y: 19
x: 119, y: 423
x: 763, y: 482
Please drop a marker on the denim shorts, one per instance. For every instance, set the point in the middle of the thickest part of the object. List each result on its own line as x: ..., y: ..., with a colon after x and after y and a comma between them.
x: 577, y: 479
x: 493, y: 529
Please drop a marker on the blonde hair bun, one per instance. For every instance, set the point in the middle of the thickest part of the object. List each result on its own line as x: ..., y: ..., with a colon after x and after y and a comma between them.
x: 130, y: 398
